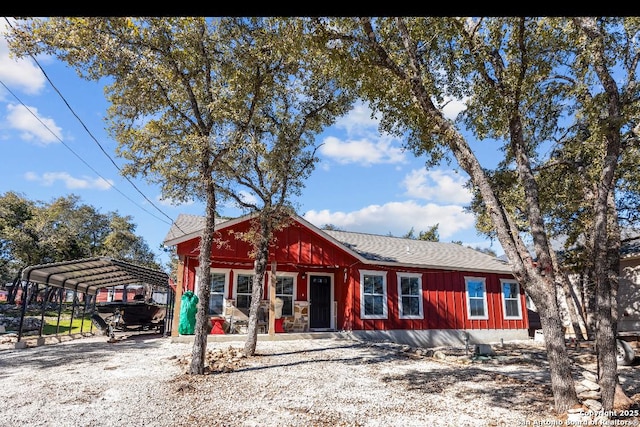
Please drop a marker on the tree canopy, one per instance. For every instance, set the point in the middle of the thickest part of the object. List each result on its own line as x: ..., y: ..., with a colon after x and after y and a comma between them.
x: 527, y: 85
x: 207, y: 108
x: 199, y: 107
x: 39, y: 232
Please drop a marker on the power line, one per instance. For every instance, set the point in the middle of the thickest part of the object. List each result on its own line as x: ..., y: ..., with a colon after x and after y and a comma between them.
x: 95, y: 140
x: 76, y: 154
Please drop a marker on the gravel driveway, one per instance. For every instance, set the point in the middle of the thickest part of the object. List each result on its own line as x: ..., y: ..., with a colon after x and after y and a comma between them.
x: 141, y: 380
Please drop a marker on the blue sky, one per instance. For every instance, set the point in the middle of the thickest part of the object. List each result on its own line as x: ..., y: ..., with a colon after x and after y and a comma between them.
x: 364, y: 181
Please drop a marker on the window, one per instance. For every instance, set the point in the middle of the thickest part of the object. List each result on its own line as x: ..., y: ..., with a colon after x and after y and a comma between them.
x: 373, y: 289
x: 511, y: 299
x: 410, y: 295
x: 284, y: 291
x: 476, y: 298
x: 216, y: 294
x: 244, y: 286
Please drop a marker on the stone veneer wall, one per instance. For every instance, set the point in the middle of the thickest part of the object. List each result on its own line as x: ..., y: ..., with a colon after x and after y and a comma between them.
x: 300, y: 320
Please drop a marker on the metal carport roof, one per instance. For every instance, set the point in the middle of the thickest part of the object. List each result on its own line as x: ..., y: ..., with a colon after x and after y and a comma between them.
x: 91, y: 274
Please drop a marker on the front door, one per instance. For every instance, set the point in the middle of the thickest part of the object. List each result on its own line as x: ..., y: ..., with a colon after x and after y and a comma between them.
x: 320, y: 302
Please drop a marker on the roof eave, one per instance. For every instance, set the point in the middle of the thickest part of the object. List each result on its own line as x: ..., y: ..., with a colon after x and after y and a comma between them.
x: 437, y: 267
x: 198, y: 233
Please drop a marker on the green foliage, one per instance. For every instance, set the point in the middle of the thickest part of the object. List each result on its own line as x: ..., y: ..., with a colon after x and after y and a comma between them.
x: 557, y: 98
x: 36, y: 232
x: 431, y: 235
x: 208, y: 108
x: 331, y: 227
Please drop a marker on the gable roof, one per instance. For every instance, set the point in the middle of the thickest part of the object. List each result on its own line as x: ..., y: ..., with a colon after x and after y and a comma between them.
x: 370, y: 249
x: 187, y: 227
x: 388, y: 250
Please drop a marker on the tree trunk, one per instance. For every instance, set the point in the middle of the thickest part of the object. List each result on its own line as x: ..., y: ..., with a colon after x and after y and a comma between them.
x: 606, y: 232
x: 575, y: 316
x: 577, y: 321
x: 13, y: 292
x: 204, y: 279
x: 538, y: 278
x: 606, y: 349
x: 620, y: 399
x: 262, y: 259
x: 562, y: 384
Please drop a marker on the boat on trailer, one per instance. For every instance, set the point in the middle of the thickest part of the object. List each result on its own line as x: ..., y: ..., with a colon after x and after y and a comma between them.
x: 139, y: 314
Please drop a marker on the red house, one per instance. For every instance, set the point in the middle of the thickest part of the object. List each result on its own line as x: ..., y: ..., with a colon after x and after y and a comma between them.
x: 376, y: 287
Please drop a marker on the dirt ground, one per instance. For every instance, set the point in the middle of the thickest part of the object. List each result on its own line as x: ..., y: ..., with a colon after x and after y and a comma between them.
x: 142, y: 379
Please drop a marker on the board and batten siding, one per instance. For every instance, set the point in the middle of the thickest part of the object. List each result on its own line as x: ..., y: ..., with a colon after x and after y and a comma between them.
x: 444, y: 303
x: 302, y: 250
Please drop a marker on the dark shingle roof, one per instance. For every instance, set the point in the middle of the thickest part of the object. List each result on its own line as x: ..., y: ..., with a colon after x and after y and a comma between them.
x: 372, y: 248
x: 186, y: 227
x: 397, y: 250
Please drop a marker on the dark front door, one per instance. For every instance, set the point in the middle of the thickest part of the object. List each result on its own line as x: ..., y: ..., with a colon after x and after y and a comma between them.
x: 320, y: 302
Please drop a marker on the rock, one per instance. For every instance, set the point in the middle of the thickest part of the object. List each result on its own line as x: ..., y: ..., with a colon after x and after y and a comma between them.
x: 484, y: 350
x: 590, y: 394
x: 590, y: 376
x: 590, y: 384
x: 439, y: 355
x: 580, y: 388
x: 593, y: 405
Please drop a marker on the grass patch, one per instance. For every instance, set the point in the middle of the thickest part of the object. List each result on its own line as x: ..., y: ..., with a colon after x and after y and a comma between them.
x: 51, y: 328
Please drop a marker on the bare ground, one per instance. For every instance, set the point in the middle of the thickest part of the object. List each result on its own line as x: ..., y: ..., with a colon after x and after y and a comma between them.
x: 143, y: 380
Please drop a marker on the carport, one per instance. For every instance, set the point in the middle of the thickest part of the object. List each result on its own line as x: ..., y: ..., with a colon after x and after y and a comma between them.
x: 87, y: 276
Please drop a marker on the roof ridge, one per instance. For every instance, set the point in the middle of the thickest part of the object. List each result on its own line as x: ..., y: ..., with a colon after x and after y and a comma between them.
x: 384, y: 235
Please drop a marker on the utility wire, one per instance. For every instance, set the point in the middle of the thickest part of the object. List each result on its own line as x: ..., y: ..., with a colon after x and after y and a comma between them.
x: 95, y: 140
x: 76, y: 154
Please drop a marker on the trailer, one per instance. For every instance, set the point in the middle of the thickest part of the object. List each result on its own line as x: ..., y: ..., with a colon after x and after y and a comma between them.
x: 122, y: 316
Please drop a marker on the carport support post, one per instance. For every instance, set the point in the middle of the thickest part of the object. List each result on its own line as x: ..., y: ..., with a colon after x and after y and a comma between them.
x: 25, y: 295
x: 44, y: 307
x: 272, y: 300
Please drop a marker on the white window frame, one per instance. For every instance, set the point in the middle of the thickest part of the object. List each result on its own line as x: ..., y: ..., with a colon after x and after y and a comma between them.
x: 294, y: 277
x: 517, y: 299
x: 420, y: 314
x: 385, y: 310
x: 226, y: 272
x: 237, y: 273
x: 483, y: 281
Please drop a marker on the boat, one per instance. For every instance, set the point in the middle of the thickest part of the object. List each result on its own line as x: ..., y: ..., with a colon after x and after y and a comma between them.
x: 129, y: 315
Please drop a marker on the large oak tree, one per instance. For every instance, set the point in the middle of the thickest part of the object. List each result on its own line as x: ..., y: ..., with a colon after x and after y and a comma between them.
x: 204, y: 107
x: 521, y: 81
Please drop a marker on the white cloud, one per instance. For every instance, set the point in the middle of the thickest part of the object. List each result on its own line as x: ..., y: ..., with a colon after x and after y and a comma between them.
x: 247, y: 197
x: 437, y: 185
x: 18, y: 73
x: 364, y: 151
x: 85, y: 183
x: 453, y: 107
x: 40, y: 130
x: 358, y: 121
x: 360, y: 141
x: 375, y: 219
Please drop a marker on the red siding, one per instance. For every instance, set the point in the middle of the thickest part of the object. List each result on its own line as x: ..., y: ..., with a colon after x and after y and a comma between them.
x: 299, y: 249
